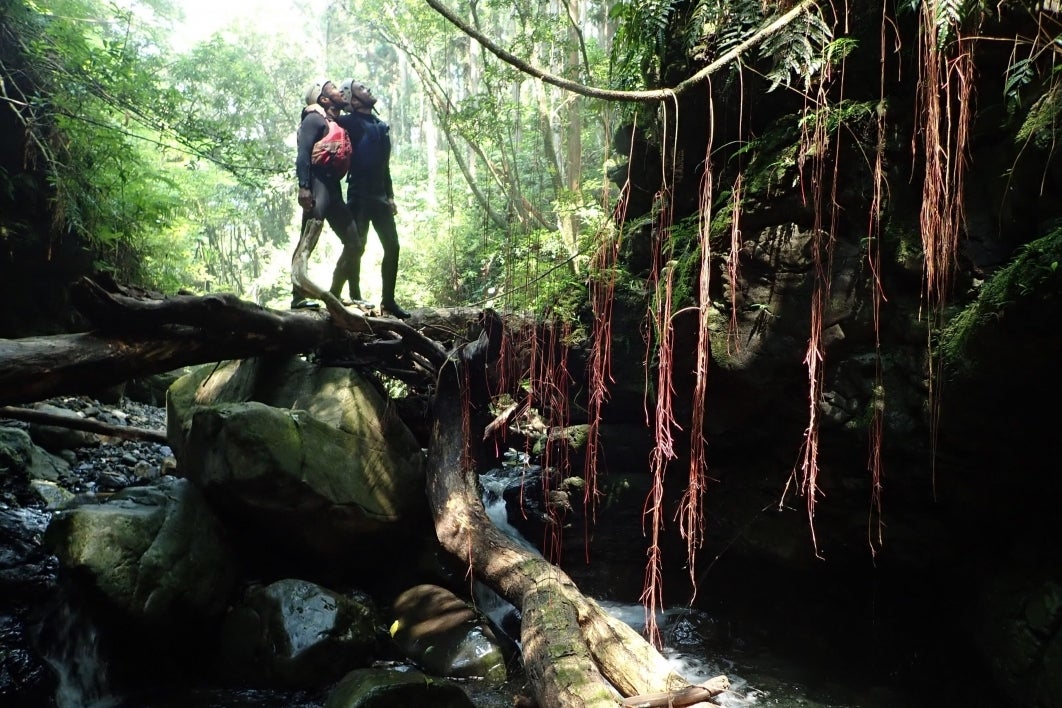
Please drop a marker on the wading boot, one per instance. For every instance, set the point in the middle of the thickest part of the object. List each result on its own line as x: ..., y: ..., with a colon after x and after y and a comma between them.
x: 389, y: 273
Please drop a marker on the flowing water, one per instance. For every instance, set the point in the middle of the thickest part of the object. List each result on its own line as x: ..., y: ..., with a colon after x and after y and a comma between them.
x: 764, y: 669
x: 73, y: 651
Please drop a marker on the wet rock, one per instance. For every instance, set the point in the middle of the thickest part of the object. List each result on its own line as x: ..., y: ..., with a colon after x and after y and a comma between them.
x: 25, y: 680
x: 22, y: 461
x: 446, y: 636
x: 296, y: 634
x: 27, y: 580
x: 51, y: 493
x: 385, y: 688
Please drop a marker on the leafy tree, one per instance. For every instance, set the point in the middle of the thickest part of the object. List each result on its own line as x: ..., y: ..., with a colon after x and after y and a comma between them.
x: 150, y: 157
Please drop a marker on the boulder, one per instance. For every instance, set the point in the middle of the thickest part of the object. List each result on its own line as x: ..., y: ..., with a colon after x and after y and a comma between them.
x: 302, y: 462
x: 22, y: 462
x: 337, y: 396
x: 296, y: 634
x: 445, y: 635
x: 156, y: 553
x: 385, y: 688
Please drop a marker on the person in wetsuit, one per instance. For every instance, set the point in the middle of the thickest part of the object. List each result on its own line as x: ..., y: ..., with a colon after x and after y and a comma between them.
x: 370, y: 193
x: 319, y: 178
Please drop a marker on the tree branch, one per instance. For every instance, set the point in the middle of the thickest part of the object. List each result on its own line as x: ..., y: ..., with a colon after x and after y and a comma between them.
x: 126, y: 432
x: 614, y: 95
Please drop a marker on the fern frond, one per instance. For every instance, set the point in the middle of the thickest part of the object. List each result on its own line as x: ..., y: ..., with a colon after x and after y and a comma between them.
x: 1045, y: 115
x: 800, y: 50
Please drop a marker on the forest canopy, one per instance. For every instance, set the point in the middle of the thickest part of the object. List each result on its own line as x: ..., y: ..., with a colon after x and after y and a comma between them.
x: 172, y: 165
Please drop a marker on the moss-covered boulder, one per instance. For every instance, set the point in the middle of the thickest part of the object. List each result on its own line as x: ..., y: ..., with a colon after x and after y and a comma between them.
x: 156, y: 554
x: 384, y: 688
x: 302, y: 462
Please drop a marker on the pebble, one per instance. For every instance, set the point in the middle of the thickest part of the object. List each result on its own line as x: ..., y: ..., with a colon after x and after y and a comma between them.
x: 115, y: 463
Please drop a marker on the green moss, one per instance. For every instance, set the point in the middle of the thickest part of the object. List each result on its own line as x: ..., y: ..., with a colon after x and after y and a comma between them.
x: 904, y: 243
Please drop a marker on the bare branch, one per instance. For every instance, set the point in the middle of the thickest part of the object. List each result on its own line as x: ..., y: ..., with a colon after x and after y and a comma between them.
x: 126, y: 432
x: 614, y: 95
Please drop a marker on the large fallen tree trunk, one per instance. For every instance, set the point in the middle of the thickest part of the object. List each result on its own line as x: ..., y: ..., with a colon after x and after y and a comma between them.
x: 137, y: 336
x: 574, y: 652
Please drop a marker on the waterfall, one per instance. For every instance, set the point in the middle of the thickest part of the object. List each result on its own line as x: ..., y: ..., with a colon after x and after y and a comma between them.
x: 71, y: 646
x: 494, y: 483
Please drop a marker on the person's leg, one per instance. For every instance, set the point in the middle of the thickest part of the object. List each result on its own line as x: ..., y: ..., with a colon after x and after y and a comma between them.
x: 348, y: 267
x: 384, y: 223
x: 362, y: 222
x: 320, y: 203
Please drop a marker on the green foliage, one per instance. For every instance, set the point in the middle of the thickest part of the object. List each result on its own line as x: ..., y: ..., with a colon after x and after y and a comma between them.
x: 1034, y: 79
x: 772, y: 158
x: 801, y: 49
x: 949, y: 16
x: 845, y: 114
x: 137, y: 143
x: 641, y: 39
x: 653, y: 34
x: 685, y: 261
x: 1041, y: 124
x: 1025, y: 290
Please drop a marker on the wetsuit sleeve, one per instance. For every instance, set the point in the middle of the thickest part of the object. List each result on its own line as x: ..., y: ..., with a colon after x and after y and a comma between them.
x: 311, y: 129
x: 354, y: 127
x: 389, y: 188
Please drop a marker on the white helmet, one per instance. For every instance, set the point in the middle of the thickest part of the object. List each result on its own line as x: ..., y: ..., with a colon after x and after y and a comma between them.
x: 313, y: 93
x: 344, y: 88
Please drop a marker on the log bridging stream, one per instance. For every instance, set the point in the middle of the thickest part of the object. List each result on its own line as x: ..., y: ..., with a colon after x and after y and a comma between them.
x: 573, y: 650
x: 574, y: 653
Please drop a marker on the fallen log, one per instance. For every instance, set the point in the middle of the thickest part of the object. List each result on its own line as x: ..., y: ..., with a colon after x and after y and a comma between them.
x: 36, y: 368
x: 691, y: 695
x: 126, y: 432
x: 136, y: 335
x: 574, y: 652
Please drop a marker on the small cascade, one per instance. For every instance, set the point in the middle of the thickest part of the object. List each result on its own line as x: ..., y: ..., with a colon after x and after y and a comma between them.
x: 495, y: 482
x: 71, y: 646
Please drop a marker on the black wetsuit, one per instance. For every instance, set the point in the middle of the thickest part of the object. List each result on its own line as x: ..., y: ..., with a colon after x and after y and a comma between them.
x: 327, y: 192
x: 370, y: 193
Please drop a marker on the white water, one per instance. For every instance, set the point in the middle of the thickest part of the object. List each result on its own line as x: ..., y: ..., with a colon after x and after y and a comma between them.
x: 76, y: 661
x: 694, y: 668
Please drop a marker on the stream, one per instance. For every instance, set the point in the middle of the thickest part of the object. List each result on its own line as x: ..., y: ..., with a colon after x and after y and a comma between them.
x: 778, y: 656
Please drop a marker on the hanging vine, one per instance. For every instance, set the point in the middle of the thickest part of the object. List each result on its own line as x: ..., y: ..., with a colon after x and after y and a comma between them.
x: 944, y: 114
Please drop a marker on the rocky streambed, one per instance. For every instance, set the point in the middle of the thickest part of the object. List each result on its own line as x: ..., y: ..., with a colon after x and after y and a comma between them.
x: 41, y: 468
x: 274, y: 640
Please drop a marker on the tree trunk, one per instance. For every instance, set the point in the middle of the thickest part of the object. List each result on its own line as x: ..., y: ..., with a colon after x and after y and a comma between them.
x: 574, y: 652
x: 139, y: 336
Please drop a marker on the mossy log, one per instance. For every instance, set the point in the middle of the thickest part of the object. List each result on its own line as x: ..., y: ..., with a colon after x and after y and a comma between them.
x: 574, y: 652
x: 136, y: 333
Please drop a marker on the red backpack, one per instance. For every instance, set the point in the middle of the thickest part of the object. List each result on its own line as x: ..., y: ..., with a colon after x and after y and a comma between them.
x: 333, y: 150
